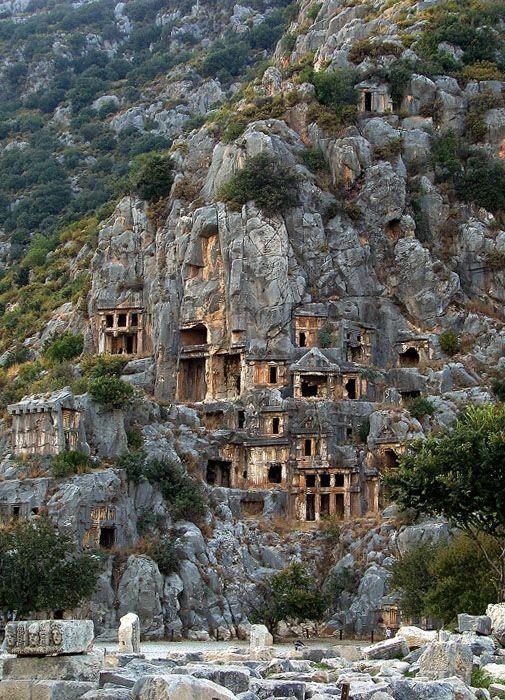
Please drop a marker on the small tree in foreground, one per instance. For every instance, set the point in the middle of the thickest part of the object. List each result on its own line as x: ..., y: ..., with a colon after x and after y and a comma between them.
x: 433, y: 579
x: 460, y: 475
x: 42, y: 570
x: 292, y: 594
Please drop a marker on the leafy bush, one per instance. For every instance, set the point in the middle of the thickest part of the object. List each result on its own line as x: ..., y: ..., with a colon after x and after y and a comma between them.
x: 325, y: 337
x: 498, y: 387
x: 185, y: 495
x: 483, y: 183
x: 94, y: 366
x: 420, y: 407
x: 152, y: 176
x: 292, y: 594
x: 433, y: 579
x: 67, y: 463
x: 64, y: 348
x: 135, y: 438
x: 364, y: 429
x: 482, y: 70
x: 41, y: 569
x: 164, y: 554
x: 336, y: 87
x: 111, y: 392
x: 17, y: 356
x: 365, y: 48
x: 313, y: 10
x: 449, y: 342
x: 272, y: 186
x: 314, y: 159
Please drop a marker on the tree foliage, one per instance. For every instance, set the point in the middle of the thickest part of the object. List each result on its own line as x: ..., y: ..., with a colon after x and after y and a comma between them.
x: 433, y: 579
x: 152, y: 176
x: 264, y: 180
x: 41, y: 569
x: 292, y: 594
x: 111, y: 392
x: 66, y: 347
x: 460, y: 475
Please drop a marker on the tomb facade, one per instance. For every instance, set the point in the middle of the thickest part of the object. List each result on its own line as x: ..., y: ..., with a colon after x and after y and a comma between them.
x: 47, y: 424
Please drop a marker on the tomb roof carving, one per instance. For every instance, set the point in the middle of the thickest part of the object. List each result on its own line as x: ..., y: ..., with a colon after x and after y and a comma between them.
x: 38, y: 403
x: 314, y: 361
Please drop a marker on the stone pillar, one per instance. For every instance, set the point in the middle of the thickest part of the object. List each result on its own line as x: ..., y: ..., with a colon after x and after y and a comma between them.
x: 347, y: 496
x: 129, y: 634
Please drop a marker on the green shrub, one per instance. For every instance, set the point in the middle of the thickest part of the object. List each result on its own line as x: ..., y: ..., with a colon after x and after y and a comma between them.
x: 185, y: 495
x: 445, y: 155
x: 133, y: 464
x: 333, y: 120
x: 111, y: 392
x: 135, y: 438
x: 94, y: 366
x: 420, y: 407
x: 314, y: 159
x: 17, y: 356
x: 165, y: 555
x: 391, y: 149
x: 364, y: 429
x: 271, y: 185
x: 325, y: 337
x: 483, y: 183
x: 67, y: 463
x: 365, y: 48
x: 482, y: 70
x: 449, y: 342
x: 64, y: 348
x: 313, y: 10
x: 336, y: 87
x: 498, y: 388
x: 151, y: 176
x: 480, y: 679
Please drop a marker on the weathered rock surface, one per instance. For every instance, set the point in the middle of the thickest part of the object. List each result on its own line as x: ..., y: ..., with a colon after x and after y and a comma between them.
x: 446, y: 659
x: 79, y: 667
x: 178, y: 688
x: 416, y: 637
x: 388, y: 649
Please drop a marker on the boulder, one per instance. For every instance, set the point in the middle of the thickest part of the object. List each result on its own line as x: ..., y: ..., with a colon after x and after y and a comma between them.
x: 481, y: 624
x: 446, y: 659
x: 178, y: 688
x: 497, y: 614
x: 416, y: 689
x: 234, y: 678
x: 278, y: 689
x: 479, y: 643
x: 73, y: 667
x: 259, y: 637
x: 43, y: 690
x: 388, y: 649
x: 417, y: 637
x: 107, y: 694
x: 496, y: 671
x: 497, y: 690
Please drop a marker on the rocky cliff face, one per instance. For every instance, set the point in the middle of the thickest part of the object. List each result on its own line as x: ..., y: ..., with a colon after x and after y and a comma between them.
x: 284, y: 352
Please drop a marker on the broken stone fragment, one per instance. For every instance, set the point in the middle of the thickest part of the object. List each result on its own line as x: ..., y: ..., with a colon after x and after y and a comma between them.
x: 129, y: 634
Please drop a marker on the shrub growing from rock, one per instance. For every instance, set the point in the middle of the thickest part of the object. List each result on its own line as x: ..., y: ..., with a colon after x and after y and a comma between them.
x: 111, y: 392
x: 66, y: 347
x: 271, y: 185
x: 72, y: 462
x: 152, y: 176
x: 449, y: 342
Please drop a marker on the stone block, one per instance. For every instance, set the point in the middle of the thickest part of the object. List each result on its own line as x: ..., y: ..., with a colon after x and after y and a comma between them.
x: 259, y: 637
x: 108, y: 694
x: 232, y: 677
x: 178, y: 688
x: 49, y: 637
x: 278, y: 689
x: 82, y: 667
x: 43, y: 690
x: 388, y: 649
x: 497, y: 690
x: 496, y: 671
x: 415, y: 689
x: 446, y: 659
x: 417, y: 637
x: 480, y: 624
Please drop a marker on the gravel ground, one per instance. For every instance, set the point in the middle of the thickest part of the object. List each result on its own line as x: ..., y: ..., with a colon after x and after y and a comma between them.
x: 160, y: 649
